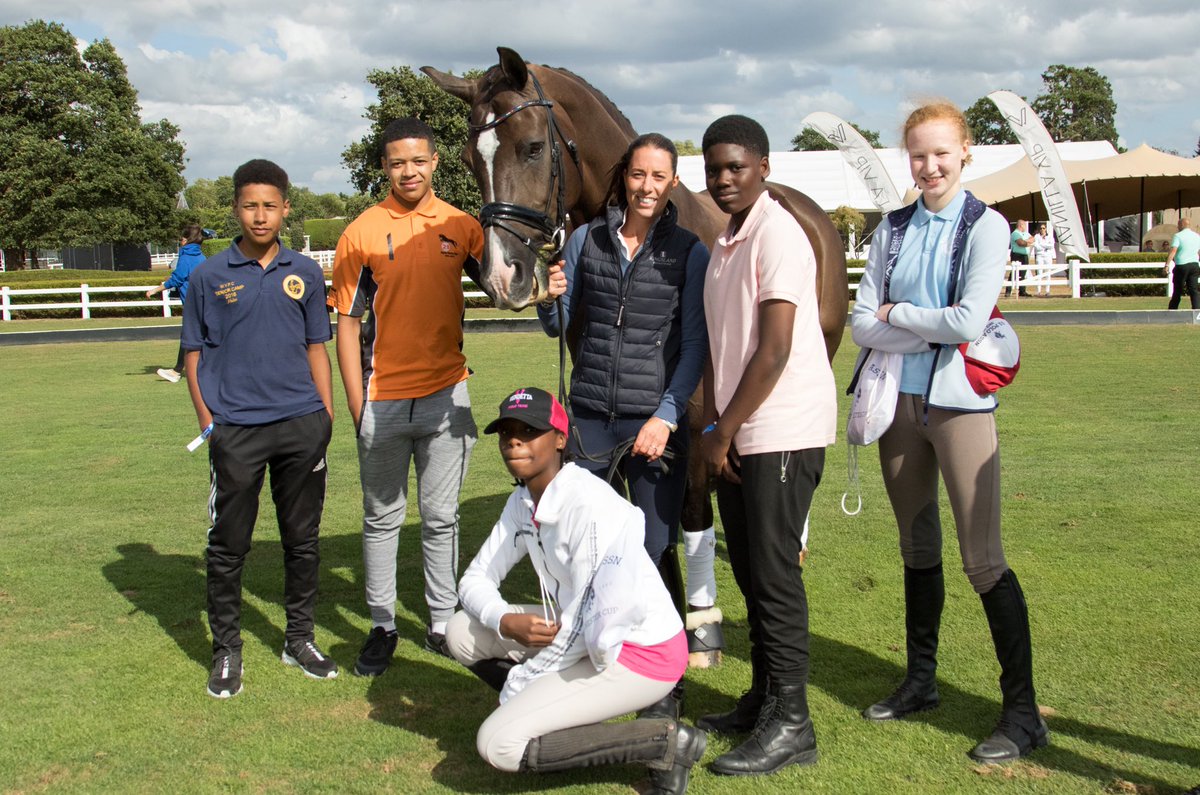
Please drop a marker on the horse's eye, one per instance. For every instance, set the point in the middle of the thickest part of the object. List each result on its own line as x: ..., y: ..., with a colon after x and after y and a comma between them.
x: 534, y: 150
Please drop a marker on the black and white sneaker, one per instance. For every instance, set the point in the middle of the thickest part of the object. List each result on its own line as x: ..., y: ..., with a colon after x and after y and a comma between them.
x: 305, y: 655
x: 225, y: 681
x: 377, y: 651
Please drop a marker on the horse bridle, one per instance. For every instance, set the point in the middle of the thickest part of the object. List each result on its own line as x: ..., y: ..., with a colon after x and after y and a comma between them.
x: 553, y: 229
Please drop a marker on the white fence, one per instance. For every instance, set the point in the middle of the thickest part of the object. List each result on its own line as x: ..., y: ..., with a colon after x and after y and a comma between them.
x: 86, y: 298
x: 1022, y: 277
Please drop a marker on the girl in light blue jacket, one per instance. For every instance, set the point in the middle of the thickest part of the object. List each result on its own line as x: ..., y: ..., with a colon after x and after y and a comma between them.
x: 933, y: 275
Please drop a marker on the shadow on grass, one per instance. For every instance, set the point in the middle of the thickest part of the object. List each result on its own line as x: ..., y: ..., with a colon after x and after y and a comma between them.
x: 169, y: 589
x: 172, y: 590
x: 858, y: 678
x: 439, y: 699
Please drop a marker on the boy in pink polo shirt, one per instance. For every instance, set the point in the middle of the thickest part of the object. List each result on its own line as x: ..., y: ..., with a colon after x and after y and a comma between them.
x: 771, y: 410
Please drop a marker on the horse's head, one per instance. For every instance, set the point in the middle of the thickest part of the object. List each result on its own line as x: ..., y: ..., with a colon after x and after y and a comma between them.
x: 521, y: 153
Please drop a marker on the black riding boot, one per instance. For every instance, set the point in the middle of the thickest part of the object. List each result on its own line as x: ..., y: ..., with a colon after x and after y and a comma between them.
x: 783, y: 736
x: 672, y: 577
x: 1021, y: 728
x: 744, y: 714
x: 492, y: 671
x: 669, y: 748
x: 924, y: 596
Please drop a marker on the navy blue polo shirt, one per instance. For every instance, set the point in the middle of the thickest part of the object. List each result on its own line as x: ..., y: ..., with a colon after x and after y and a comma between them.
x: 252, y: 326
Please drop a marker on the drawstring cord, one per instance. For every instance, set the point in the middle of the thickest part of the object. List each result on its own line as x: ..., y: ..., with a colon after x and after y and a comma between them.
x: 852, y: 483
x: 548, y: 612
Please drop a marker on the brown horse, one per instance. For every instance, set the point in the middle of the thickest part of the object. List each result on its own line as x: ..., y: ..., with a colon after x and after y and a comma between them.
x: 522, y: 119
x: 542, y: 146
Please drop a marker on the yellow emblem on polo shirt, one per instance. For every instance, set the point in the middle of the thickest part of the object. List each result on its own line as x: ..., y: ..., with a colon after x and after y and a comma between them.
x: 293, y: 285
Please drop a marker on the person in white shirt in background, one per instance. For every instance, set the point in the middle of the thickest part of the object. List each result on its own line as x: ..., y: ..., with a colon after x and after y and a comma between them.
x: 1043, y: 255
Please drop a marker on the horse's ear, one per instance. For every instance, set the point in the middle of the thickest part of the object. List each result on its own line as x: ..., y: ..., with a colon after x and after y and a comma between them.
x: 457, y: 86
x: 513, y: 66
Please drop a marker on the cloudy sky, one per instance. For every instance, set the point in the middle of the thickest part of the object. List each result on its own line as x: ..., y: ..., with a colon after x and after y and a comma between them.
x: 286, y: 80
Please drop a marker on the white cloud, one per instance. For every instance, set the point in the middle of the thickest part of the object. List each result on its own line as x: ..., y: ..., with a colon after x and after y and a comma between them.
x: 286, y: 80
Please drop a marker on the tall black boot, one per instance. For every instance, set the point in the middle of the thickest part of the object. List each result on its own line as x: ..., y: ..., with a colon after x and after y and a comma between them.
x: 924, y: 596
x: 1021, y: 728
x: 745, y: 712
x: 492, y: 671
x: 668, y: 748
x: 672, y: 577
x: 783, y: 736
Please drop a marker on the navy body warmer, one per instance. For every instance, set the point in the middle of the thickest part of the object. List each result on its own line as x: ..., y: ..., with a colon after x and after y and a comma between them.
x: 630, y: 327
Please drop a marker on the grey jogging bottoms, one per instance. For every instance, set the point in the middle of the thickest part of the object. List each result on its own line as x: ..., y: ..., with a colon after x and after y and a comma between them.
x: 437, y: 433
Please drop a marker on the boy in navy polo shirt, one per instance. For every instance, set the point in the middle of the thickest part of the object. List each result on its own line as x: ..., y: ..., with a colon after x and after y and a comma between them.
x: 254, y: 330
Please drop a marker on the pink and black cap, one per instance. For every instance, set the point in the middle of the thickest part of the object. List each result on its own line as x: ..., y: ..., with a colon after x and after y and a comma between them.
x: 535, y: 407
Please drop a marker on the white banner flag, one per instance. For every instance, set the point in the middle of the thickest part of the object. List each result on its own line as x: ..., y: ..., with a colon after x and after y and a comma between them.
x: 861, y: 157
x: 1052, y: 177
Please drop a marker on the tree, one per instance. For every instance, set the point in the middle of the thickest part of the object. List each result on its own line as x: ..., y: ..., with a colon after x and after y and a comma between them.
x: 988, y: 125
x: 1197, y: 154
x: 77, y: 165
x: 1077, y: 104
x: 307, y: 205
x: 212, y: 201
x: 850, y: 223
x: 688, y: 147
x: 809, y: 140
x: 403, y: 92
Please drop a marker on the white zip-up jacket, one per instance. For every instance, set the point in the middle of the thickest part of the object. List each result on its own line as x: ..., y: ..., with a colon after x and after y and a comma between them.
x: 587, y: 549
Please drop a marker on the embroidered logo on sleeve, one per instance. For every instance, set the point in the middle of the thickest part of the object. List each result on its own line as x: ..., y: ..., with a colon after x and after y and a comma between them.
x: 449, y: 247
x: 293, y: 285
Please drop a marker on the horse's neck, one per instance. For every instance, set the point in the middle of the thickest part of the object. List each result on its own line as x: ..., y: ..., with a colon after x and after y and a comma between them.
x: 698, y: 213
x: 602, y: 137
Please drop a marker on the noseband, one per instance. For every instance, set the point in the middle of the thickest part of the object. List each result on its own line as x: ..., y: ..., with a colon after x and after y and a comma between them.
x: 552, y: 230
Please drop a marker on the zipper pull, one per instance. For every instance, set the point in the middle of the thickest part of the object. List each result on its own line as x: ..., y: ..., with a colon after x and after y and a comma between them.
x: 620, y: 316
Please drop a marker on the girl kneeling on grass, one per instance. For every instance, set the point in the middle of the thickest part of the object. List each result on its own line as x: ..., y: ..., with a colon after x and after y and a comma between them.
x: 606, y: 640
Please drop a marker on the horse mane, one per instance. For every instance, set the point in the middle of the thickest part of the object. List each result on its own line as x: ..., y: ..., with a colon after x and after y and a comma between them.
x: 494, y: 77
x: 607, y: 103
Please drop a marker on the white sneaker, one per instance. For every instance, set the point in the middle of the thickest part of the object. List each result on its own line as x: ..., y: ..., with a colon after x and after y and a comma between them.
x: 168, y: 375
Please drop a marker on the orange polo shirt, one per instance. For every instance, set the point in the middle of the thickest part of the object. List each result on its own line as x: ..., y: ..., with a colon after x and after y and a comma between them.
x: 404, y: 268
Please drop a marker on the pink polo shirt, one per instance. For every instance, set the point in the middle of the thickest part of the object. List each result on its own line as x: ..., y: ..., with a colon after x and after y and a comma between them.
x: 770, y: 258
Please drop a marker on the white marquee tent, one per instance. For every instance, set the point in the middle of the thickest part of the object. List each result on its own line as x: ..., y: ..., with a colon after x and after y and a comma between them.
x: 831, y: 182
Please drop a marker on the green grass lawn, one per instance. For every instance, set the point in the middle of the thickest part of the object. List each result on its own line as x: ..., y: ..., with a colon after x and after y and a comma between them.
x: 104, y: 645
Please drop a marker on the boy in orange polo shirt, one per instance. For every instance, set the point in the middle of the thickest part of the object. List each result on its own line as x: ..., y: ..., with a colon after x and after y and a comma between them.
x: 405, y: 377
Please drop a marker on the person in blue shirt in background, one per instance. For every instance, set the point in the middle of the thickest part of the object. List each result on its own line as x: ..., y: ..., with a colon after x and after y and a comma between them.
x: 190, y: 256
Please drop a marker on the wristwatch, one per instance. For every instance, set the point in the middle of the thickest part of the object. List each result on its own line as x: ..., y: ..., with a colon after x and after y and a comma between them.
x: 671, y: 426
